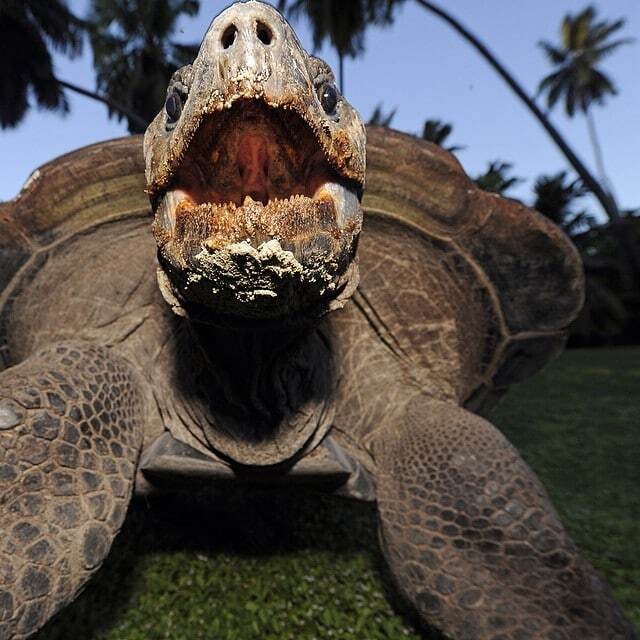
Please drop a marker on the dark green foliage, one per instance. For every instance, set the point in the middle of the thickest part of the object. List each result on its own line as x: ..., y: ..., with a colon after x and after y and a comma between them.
x: 555, y: 196
x: 495, y: 178
x: 342, y: 23
x: 134, y: 52
x: 437, y: 132
x: 379, y: 117
x: 304, y: 566
x: 29, y: 30
x: 611, y: 314
x: 604, y: 317
x: 585, y: 41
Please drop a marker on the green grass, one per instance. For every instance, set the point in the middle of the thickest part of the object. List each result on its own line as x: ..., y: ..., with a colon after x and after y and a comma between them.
x: 299, y: 566
x: 578, y: 426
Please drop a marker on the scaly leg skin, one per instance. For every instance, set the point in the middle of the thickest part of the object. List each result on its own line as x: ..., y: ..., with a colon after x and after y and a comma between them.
x: 471, y: 537
x: 70, y: 434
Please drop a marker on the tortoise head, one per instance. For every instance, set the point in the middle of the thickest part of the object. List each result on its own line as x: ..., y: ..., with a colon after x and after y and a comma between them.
x: 255, y: 171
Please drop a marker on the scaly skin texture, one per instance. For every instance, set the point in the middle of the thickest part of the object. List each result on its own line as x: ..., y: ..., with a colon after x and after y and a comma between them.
x: 471, y: 536
x: 70, y: 433
x: 461, y: 294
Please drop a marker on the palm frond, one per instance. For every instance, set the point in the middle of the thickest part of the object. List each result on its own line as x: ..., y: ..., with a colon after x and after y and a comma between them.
x: 134, y: 52
x: 183, y: 54
x: 57, y: 24
x: 555, y: 196
x: 605, y: 50
x: 555, y: 55
x: 554, y: 86
x: 575, y: 29
x: 495, y: 178
x: 436, y: 131
x: 26, y: 67
x: 379, y: 117
x: 602, y: 30
x: 570, y: 97
x: 584, y: 42
x: 343, y: 24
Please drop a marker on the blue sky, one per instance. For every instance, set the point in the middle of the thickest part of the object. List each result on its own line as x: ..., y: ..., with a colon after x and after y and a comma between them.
x: 421, y: 67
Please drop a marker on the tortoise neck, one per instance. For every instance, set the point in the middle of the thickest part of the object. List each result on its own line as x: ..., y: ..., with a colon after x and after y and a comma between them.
x: 268, y: 391
x: 244, y: 360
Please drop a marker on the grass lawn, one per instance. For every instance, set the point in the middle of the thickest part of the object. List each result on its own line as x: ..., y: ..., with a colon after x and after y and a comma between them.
x: 270, y: 567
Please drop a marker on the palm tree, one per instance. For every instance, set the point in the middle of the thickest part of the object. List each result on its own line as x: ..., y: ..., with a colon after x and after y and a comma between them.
x: 28, y: 28
x: 555, y: 196
x: 576, y: 77
x: 134, y: 53
x: 342, y: 22
x: 608, y: 203
x: 495, y: 178
x: 437, y: 132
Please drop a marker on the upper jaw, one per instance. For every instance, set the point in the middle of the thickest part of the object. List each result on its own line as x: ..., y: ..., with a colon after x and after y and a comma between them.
x: 281, y: 75
x: 342, y: 148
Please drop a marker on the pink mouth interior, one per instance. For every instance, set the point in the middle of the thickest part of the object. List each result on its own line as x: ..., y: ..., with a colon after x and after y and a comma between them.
x: 253, y: 166
x: 253, y: 151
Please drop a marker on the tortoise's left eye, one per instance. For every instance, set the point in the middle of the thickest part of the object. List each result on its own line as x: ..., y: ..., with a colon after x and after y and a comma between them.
x: 328, y: 97
x: 173, y: 107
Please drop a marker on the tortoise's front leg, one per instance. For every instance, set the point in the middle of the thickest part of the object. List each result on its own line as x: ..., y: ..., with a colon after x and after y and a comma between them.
x: 472, y: 539
x: 70, y: 434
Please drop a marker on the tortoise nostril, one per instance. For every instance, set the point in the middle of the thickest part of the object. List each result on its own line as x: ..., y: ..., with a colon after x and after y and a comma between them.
x: 264, y: 33
x: 229, y: 36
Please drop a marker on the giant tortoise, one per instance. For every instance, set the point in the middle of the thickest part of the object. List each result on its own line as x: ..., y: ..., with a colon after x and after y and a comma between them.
x: 263, y: 339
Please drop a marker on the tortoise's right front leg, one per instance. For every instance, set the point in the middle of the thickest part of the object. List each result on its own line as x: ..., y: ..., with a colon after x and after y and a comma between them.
x: 70, y: 433
x: 472, y: 539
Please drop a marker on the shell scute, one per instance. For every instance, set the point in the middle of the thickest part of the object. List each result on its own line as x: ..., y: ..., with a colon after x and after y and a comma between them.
x: 88, y: 186
x: 15, y: 248
x: 68, y: 195
x: 533, y: 268
x: 529, y: 271
x: 417, y: 182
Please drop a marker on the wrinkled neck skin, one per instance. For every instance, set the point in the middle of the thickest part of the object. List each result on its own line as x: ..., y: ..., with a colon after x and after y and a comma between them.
x: 262, y: 397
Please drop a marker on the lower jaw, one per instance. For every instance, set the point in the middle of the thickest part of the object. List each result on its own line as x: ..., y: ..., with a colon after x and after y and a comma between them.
x: 256, y: 262
x: 333, y: 208
x: 218, y: 225
x: 247, y: 283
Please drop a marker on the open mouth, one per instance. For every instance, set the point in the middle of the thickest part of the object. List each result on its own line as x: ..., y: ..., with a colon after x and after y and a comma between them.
x: 255, y: 173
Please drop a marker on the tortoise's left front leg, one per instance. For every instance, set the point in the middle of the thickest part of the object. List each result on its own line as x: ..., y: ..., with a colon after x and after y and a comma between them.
x: 71, y: 422
x: 472, y: 539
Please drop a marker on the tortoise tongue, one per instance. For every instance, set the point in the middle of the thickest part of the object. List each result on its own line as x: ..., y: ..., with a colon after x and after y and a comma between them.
x: 253, y: 166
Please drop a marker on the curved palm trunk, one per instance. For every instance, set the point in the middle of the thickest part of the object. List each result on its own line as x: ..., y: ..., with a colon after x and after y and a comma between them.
x: 597, y: 152
x: 116, y: 106
x: 606, y: 200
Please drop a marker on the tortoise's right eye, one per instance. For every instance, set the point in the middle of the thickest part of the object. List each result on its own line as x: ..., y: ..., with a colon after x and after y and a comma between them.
x: 173, y: 107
